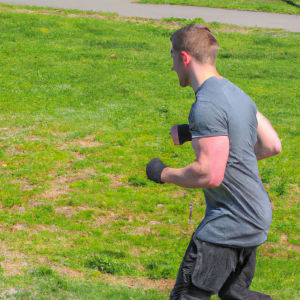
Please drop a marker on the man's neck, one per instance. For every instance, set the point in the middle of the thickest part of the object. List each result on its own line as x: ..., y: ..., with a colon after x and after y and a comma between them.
x: 200, y: 73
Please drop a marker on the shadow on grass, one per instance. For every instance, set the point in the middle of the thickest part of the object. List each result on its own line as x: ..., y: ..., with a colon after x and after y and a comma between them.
x: 291, y: 3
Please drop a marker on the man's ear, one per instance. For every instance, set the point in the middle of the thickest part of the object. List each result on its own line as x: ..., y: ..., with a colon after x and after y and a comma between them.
x: 186, y: 58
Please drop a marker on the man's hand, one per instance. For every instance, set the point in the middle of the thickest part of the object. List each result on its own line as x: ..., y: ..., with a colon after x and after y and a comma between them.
x: 154, y: 169
x: 272, y: 206
x: 180, y: 134
x: 174, y: 135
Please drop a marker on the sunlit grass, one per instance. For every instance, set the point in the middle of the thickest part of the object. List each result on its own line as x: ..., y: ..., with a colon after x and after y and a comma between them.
x: 85, y: 104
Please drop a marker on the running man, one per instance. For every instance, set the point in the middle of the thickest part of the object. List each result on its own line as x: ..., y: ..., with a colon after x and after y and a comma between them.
x: 228, y: 136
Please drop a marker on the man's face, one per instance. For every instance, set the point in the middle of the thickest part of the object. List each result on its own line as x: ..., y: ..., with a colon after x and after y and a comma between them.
x: 179, y: 68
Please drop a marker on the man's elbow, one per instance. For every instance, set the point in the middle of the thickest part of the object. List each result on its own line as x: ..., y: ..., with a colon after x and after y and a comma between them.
x: 263, y: 151
x: 215, y: 180
x: 277, y: 148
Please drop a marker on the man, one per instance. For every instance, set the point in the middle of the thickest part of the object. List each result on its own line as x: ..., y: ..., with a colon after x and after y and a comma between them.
x: 228, y: 136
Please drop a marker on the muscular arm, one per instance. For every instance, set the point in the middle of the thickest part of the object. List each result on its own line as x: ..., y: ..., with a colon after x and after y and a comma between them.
x: 268, y: 143
x: 209, y: 167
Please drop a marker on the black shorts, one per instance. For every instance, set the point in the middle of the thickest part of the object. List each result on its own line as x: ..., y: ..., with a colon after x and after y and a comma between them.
x: 209, y: 269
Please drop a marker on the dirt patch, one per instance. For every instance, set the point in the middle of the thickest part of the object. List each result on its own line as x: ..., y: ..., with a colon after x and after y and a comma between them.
x: 163, y: 285
x: 93, y: 16
x: 25, y: 11
x: 35, y: 203
x: 18, y: 227
x: 11, y: 291
x: 135, y: 251
x: 14, y: 263
x: 229, y: 29
x: 87, y: 142
x: 86, y: 16
x: 144, y: 230
x: 59, y: 186
x: 101, y: 221
x: 14, y: 150
x: 111, y: 217
x: 60, y: 134
x: 13, y: 267
x: 78, y: 155
x: 29, y: 187
x: 128, y: 20
x: 115, y: 181
x: 108, y: 219
x: 19, y: 181
x: 179, y: 194
x: 295, y: 190
x: 80, y: 175
x: 280, y: 249
x: 55, y: 191
x: 31, y: 138
x: 20, y: 209
x: 154, y: 223
x: 48, y: 12
x: 51, y: 228
x: 69, y: 212
x: 68, y: 271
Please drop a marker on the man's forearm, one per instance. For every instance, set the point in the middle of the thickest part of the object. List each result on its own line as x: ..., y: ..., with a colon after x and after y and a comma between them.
x: 263, y: 152
x: 193, y: 176
x: 268, y: 143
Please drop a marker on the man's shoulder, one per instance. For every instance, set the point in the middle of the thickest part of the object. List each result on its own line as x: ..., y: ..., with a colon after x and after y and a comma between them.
x: 228, y: 94
x: 212, y: 83
x: 212, y: 91
x: 212, y: 88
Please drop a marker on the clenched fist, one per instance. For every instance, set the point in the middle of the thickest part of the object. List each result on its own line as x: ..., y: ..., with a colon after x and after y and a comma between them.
x: 180, y: 134
x: 154, y: 169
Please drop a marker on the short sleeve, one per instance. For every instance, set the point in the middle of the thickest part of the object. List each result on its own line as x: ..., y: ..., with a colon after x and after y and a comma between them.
x: 207, y: 119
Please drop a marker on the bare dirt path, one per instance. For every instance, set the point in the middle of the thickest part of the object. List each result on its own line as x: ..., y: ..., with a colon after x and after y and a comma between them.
x: 128, y: 9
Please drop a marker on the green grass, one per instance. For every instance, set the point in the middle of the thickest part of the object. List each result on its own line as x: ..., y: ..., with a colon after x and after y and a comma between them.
x: 52, y: 286
x: 85, y: 104
x: 273, y: 6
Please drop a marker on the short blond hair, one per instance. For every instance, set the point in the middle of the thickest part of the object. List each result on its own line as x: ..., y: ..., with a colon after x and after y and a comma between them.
x: 198, y: 41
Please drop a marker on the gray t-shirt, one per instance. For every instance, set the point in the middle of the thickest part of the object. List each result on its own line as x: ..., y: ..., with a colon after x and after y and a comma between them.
x: 238, y: 212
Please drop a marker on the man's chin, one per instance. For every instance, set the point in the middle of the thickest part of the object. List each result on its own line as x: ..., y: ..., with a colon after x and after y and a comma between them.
x: 182, y: 83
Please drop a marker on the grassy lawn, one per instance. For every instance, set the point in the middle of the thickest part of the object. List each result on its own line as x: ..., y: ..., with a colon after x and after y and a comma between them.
x: 273, y: 6
x: 86, y: 102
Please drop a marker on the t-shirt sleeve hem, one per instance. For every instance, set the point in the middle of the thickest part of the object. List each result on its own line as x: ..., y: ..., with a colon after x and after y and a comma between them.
x: 197, y: 135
